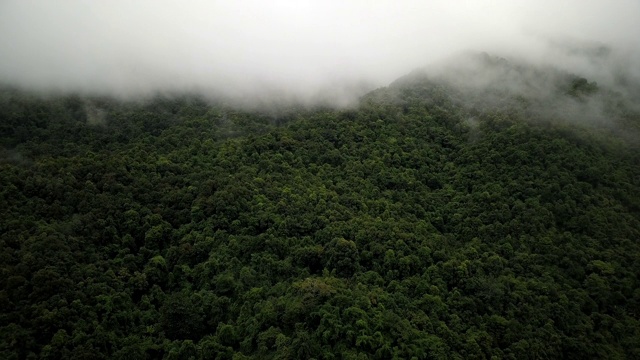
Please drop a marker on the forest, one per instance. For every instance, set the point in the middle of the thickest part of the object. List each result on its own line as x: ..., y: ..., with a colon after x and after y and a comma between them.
x: 429, y: 221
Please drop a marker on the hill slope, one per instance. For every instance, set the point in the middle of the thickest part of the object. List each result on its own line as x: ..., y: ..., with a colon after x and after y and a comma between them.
x: 433, y: 221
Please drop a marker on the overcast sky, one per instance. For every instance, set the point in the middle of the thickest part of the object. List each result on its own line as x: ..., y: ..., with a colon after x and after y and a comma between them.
x: 291, y: 47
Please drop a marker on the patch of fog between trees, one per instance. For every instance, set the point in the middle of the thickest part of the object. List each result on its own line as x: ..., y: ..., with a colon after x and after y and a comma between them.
x: 95, y: 116
x: 14, y: 156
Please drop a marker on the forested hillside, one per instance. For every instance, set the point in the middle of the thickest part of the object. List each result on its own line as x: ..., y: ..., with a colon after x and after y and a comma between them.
x: 431, y: 221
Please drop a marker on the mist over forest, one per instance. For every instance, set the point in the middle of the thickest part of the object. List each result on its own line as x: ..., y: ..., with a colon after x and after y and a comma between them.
x: 330, y: 51
x: 319, y: 180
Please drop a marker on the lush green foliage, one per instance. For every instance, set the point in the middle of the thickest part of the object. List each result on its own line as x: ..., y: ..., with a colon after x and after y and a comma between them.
x: 411, y: 227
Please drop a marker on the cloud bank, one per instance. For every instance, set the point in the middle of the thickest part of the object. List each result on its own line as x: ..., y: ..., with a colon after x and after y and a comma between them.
x: 295, y: 49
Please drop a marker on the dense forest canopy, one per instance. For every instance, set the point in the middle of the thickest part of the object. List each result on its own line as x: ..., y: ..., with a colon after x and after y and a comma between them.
x: 498, y: 220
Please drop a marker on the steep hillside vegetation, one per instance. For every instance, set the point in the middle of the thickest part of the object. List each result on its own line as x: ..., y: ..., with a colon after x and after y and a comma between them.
x: 433, y: 221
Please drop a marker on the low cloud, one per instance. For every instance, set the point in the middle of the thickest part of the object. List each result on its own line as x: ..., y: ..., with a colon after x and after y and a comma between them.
x: 327, y: 51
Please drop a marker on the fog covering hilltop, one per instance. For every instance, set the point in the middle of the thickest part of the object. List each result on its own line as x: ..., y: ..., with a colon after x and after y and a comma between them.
x: 312, y: 52
x: 481, y: 83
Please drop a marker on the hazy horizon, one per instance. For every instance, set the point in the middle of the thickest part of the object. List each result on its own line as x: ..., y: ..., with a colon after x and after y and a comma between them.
x: 302, y: 50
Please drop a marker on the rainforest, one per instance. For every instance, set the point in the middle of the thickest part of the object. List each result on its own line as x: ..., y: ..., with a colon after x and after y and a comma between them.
x: 431, y: 220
